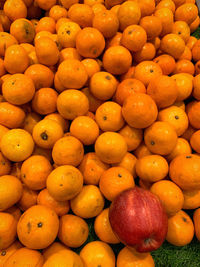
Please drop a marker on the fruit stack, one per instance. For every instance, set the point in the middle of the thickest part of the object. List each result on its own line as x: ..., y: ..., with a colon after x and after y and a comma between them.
x: 99, y: 131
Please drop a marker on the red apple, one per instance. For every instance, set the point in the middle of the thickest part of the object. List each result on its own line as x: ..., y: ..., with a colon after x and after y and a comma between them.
x: 138, y: 219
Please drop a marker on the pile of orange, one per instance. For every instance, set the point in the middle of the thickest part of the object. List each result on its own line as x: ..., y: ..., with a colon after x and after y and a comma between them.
x: 95, y: 97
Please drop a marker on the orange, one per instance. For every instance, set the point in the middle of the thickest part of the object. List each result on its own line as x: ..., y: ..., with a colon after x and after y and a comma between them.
x: 18, y: 89
x: 196, y: 89
x: 56, y: 12
x: 23, y: 30
x: 16, y: 59
x: 92, y: 168
x: 103, y: 85
x: 152, y: 168
x: 88, y: 203
x: 184, y: 85
x: 20, y: 10
x: 30, y: 121
x: 196, y: 218
x: 182, y: 147
x: 109, y: 116
x: 110, y: 147
x: 170, y: 195
x: 45, y: 199
x: 24, y: 255
x: 90, y: 42
x: 73, y: 230
x: 67, y: 4
x: 96, y: 7
x: 184, y: 66
x: 8, y: 230
x: 128, y: 162
x: 82, y: 14
x: 72, y: 103
x: 180, y: 229
x: 68, y: 150
x: 58, y: 118
x: 64, y: 182
x: 132, y: 136
x: 6, y: 253
x: 5, y: 165
x: 98, y: 253
x: 38, y: 223
x: 106, y: 22
x: 191, y: 199
x: 195, y: 49
x: 128, y: 87
x: 139, y: 110
x: 167, y: 19
x: 186, y: 12
x: 147, y: 70
x: 17, y: 145
x: 28, y: 199
x: 72, y: 74
x: 160, y: 138
x: 55, y: 247
x: 46, y: 51
x: 134, y: 37
x: 147, y: 52
x: 11, y: 116
x: 85, y: 129
x: 34, y: 172
x: 44, y: 101
x: 103, y: 228
x: 114, y: 41
x: 187, y: 177
x: 67, y: 33
x: 6, y: 40
x: 115, y: 180
x: 46, y: 132
x: 41, y: 75
x: 166, y: 62
x: 117, y: 59
x: 129, y: 13
x: 173, y: 45
x: 187, y: 54
x: 193, y: 115
x: 194, y: 141
x: 195, y: 24
x: 182, y: 29
x: 166, y: 3
x: 69, y: 53
x: 126, y: 257
x: 152, y: 25
x: 91, y: 65
x: 176, y: 117
x: 59, y: 259
x: 163, y: 90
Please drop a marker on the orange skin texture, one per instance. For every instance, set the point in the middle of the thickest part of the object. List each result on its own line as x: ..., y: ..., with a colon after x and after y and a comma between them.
x: 52, y: 249
x: 24, y: 255
x: 28, y: 199
x: 152, y: 168
x: 92, y: 168
x: 6, y: 40
x: 59, y: 183
x: 160, y: 138
x: 8, y: 230
x: 196, y: 217
x: 103, y: 228
x: 5, y: 165
x: 141, y: 103
x: 41, y: 223
x: 88, y: 203
x: 60, y: 207
x: 176, y: 224
x: 6, y: 253
x: 73, y: 230
x: 11, y: 191
x: 34, y: 172
x: 170, y: 195
x: 187, y: 178
x: 98, y: 252
x: 22, y: 30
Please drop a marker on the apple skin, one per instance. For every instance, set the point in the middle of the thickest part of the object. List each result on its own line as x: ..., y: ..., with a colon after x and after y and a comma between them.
x: 138, y: 219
